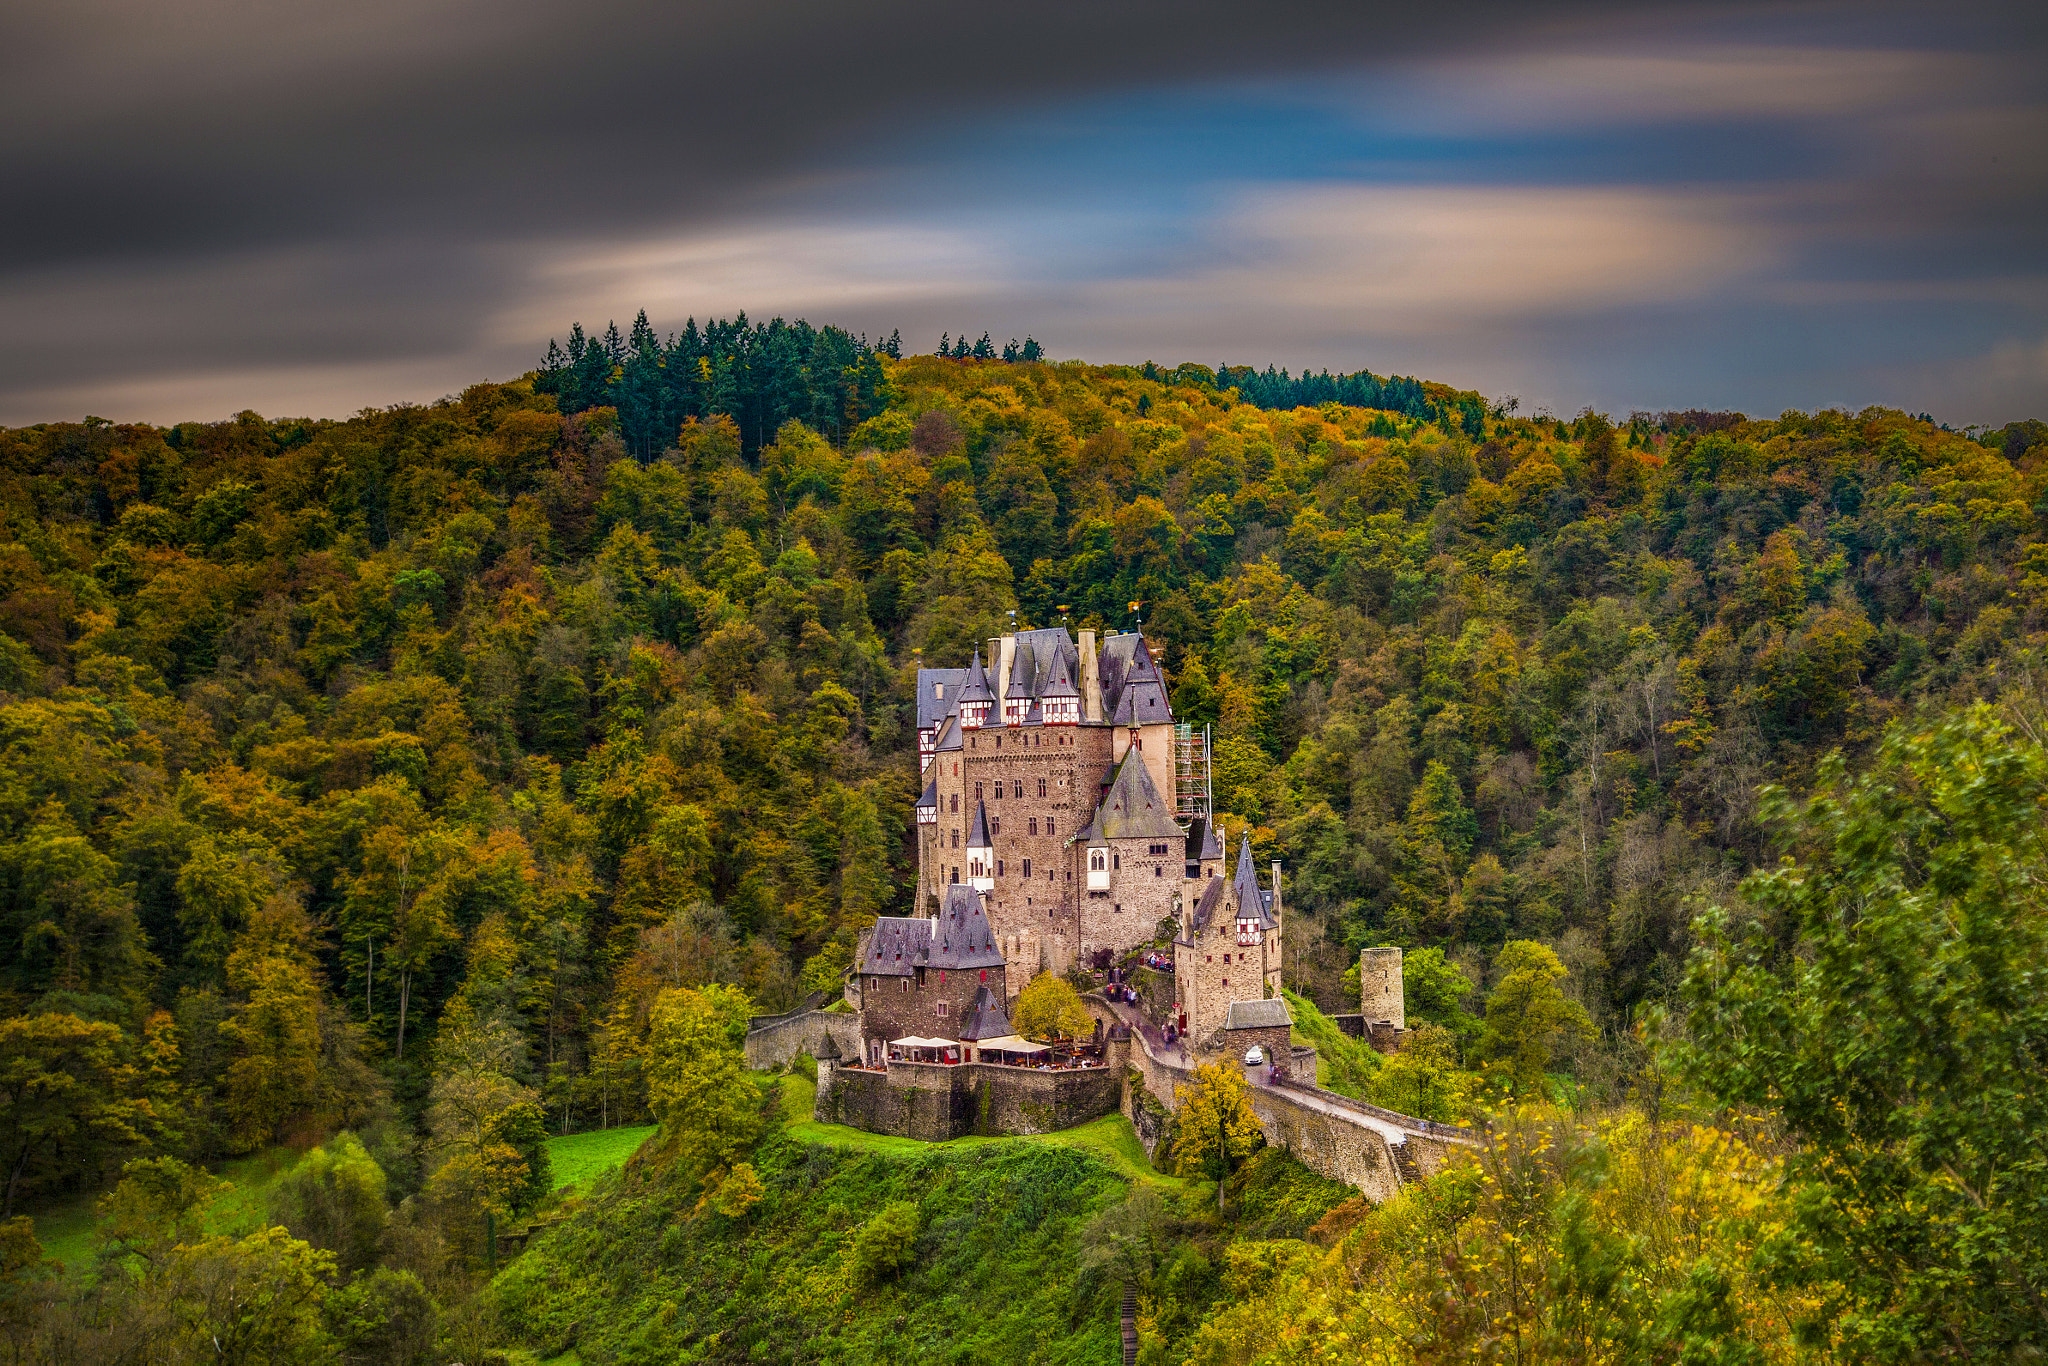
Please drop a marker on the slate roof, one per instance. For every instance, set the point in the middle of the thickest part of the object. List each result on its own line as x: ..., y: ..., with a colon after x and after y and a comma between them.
x: 1133, y: 808
x: 986, y: 1019
x: 828, y: 1048
x: 1205, y: 841
x: 1037, y: 656
x: 930, y: 800
x: 977, y: 832
x: 1133, y: 693
x: 959, y: 937
x: 1257, y: 1014
x: 932, y: 708
x: 1059, y: 682
x: 897, y: 945
x: 1245, y: 887
x: 974, y: 687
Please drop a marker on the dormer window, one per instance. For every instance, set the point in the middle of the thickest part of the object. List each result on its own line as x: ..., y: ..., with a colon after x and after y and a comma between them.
x: 939, y: 691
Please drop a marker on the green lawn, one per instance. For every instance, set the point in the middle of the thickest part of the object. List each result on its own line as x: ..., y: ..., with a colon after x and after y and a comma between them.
x: 579, y: 1159
x: 1109, y: 1138
x: 65, y: 1230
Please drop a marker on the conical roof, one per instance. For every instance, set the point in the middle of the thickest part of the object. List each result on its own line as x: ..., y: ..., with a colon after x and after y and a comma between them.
x: 975, y: 688
x: 986, y: 1019
x: 1206, y: 839
x: 1133, y: 808
x: 930, y: 800
x: 1060, y: 683
x: 977, y: 831
x: 1251, y: 902
x: 828, y: 1049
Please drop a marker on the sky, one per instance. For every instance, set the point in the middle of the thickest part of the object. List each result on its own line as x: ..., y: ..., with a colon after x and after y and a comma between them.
x: 308, y: 208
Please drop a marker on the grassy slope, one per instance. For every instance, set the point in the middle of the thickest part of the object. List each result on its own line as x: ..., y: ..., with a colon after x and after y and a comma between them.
x: 641, y: 1275
x: 579, y: 1159
x: 1344, y: 1064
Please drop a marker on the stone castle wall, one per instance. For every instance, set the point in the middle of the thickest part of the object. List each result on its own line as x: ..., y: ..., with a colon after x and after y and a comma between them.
x: 773, y: 1040
x: 934, y: 1103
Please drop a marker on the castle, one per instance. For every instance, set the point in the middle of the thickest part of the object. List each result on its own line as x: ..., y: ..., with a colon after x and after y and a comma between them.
x: 1065, y: 820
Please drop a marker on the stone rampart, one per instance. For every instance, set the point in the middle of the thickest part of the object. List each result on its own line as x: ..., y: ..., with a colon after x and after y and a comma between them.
x: 932, y: 1102
x: 1326, y: 1143
x: 772, y: 1040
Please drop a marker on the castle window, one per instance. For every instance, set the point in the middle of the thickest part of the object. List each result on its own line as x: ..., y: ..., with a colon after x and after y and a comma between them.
x: 1041, y: 787
x: 1048, y: 825
x: 977, y: 792
x: 956, y: 803
x: 904, y: 989
x: 939, y: 691
x: 1156, y: 872
x: 956, y: 839
x: 999, y: 789
x: 943, y: 1006
x: 995, y: 826
x: 1032, y: 825
x: 1027, y: 867
x: 1095, y: 860
x: 1116, y: 861
x: 999, y: 867
x: 984, y: 974
x: 956, y: 872
x: 1226, y: 981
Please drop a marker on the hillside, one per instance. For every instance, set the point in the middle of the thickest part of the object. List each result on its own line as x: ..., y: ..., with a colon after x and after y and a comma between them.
x: 396, y: 774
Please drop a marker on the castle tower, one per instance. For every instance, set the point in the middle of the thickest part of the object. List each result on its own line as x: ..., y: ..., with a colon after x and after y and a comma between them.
x: 1381, y: 998
x: 1228, y: 950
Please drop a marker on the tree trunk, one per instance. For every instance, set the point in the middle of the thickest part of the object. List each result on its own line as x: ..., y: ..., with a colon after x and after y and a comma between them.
x: 404, y: 996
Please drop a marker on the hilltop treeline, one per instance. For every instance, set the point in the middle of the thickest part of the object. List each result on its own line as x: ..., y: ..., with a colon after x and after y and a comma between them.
x: 351, y: 770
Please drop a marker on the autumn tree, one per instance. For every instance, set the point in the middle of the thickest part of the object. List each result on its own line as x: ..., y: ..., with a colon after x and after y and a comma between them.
x: 67, y: 1099
x: 1049, y: 1008
x: 1214, y: 1125
x: 1527, y: 1014
x: 697, y: 1083
x: 1877, y: 991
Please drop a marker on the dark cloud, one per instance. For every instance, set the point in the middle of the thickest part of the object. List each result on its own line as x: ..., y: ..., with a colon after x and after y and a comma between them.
x: 140, y: 128
x: 307, y: 207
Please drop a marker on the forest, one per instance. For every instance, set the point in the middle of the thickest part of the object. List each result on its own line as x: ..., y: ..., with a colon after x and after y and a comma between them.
x: 410, y: 791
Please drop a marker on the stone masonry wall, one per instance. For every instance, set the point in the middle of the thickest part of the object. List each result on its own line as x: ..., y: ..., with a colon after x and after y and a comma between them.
x: 774, y: 1043
x: 934, y: 1103
x: 1326, y: 1145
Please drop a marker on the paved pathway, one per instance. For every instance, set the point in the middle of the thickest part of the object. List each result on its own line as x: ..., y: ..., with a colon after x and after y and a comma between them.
x: 1390, y: 1128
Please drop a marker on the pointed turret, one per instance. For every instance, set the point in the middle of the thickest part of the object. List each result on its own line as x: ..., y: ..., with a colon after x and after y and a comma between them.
x: 975, y: 696
x: 1254, y: 915
x: 1061, y: 700
x: 981, y: 852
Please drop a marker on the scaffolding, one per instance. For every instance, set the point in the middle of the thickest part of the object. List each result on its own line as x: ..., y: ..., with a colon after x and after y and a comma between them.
x: 1194, y: 777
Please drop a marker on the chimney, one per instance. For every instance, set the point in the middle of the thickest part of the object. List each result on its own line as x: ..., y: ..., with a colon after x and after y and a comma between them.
x: 998, y: 676
x: 1090, y: 681
x: 1003, y: 687
x: 1276, y: 889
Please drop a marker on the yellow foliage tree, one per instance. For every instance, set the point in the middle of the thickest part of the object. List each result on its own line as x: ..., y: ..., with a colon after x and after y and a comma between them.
x: 1215, y: 1123
x: 1049, y: 1008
